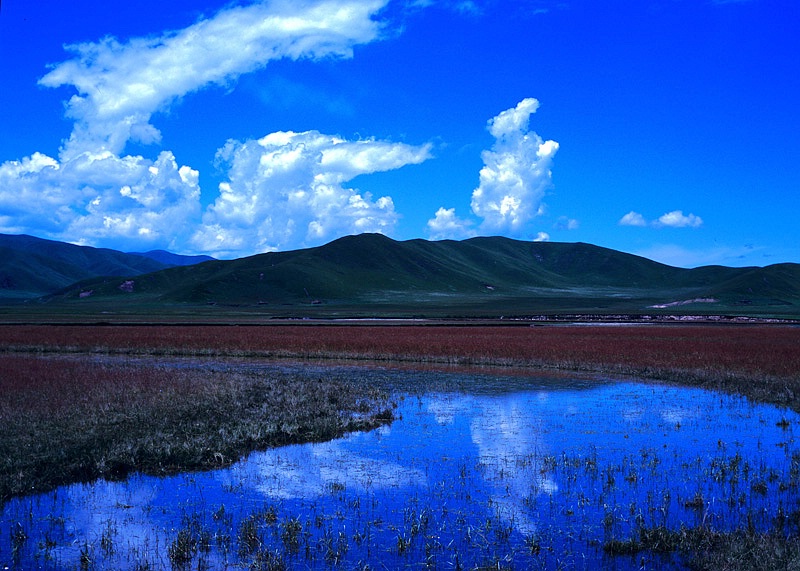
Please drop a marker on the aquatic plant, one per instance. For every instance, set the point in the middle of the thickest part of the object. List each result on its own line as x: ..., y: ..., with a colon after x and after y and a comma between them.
x: 18, y: 539
x: 183, y: 548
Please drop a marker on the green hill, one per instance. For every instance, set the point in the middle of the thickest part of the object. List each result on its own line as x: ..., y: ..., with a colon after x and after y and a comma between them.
x: 372, y: 275
x: 31, y: 267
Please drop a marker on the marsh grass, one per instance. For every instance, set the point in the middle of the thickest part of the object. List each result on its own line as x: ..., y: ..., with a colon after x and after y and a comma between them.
x: 758, y: 361
x: 18, y: 539
x: 704, y: 549
x: 67, y: 420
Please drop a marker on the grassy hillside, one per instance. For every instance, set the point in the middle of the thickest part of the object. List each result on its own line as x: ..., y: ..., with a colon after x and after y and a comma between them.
x: 31, y: 267
x: 372, y: 275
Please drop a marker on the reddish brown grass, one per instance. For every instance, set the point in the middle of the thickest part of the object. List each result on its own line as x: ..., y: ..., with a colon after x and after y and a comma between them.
x: 748, y: 350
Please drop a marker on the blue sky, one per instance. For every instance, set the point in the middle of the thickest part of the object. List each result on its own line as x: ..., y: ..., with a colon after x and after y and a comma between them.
x: 665, y: 128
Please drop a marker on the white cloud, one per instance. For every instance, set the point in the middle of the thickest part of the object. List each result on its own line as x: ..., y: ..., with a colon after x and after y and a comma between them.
x: 632, y: 219
x: 542, y: 237
x: 93, y: 194
x: 513, y: 180
x: 30, y: 194
x: 288, y: 188
x: 513, y: 123
x: 120, y: 85
x: 156, y: 195
x: 676, y: 219
x: 516, y: 172
x: 447, y: 226
x: 99, y: 197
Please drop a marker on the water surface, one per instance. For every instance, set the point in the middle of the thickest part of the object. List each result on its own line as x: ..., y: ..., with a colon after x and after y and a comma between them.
x: 524, y: 473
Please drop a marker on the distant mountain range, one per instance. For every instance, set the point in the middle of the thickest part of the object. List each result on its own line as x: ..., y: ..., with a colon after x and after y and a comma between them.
x: 31, y: 267
x: 170, y: 260
x: 372, y: 275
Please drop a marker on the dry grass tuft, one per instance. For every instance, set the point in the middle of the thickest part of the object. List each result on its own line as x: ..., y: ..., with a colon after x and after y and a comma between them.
x: 67, y: 420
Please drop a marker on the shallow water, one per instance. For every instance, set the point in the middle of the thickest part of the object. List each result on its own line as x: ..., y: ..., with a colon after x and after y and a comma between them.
x: 532, y: 473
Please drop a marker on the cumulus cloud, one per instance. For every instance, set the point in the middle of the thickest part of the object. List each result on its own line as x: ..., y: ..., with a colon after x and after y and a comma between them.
x: 30, y: 194
x: 92, y: 193
x: 445, y: 225
x: 120, y: 85
x: 99, y: 197
x: 516, y: 171
x: 674, y: 219
x: 542, y: 237
x: 632, y: 219
x: 515, y: 176
x: 289, y: 188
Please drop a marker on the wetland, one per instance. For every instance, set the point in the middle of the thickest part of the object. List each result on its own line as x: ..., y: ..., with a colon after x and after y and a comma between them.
x: 478, y: 469
x: 302, y: 447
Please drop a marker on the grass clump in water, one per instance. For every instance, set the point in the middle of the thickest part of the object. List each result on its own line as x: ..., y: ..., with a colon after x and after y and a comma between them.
x: 67, y: 420
x: 705, y: 549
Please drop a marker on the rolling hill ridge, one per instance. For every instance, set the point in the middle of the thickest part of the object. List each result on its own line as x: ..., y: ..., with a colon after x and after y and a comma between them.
x: 32, y: 267
x: 370, y: 274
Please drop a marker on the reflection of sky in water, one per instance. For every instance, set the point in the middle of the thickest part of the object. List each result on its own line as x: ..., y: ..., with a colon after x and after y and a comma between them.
x: 306, y: 471
x: 476, y: 475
